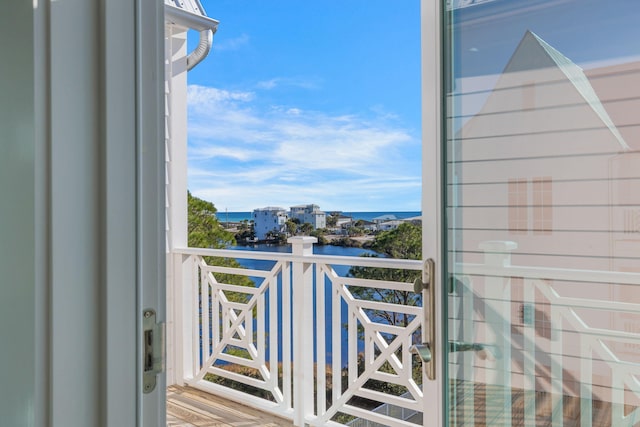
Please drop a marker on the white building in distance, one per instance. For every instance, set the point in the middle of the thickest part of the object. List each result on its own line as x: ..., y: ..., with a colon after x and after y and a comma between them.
x: 311, y: 214
x: 385, y: 218
x: 269, y: 219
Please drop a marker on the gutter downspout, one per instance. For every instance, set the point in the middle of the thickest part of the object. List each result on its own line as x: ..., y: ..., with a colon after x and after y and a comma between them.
x: 203, y: 48
x: 205, y: 25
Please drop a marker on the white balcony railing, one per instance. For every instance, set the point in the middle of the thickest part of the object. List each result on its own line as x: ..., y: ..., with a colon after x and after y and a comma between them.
x: 301, y: 343
x: 305, y: 344
x: 571, y: 335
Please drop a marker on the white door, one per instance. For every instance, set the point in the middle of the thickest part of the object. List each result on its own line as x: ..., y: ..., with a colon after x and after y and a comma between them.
x: 536, y: 181
x: 81, y: 222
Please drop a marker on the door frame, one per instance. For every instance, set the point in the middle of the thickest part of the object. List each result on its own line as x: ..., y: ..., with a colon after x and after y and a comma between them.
x: 432, y: 199
x: 150, y: 194
x: 82, y: 231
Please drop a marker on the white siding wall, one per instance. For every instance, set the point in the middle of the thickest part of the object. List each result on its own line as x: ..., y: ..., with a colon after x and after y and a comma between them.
x: 267, y: 220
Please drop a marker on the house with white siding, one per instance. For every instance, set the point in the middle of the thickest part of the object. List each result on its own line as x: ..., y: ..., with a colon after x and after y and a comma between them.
x: 552, y: 135
x: 269, y: 219
x: 389, y: 225
x: 548, y: 169
x: 385, y: 218
x: 309, y: 213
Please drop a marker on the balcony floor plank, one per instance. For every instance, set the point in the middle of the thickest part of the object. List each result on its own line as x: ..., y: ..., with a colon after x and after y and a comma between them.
x: 188, y: 407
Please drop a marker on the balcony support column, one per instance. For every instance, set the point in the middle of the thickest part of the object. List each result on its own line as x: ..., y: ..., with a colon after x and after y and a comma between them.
x: 302, y: 301
x: 176, y: 188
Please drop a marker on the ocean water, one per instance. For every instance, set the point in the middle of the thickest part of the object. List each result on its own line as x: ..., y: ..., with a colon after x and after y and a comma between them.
x: 367, y: 216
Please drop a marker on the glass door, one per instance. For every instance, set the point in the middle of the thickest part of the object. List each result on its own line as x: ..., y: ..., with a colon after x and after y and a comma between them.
x: 541, y: 163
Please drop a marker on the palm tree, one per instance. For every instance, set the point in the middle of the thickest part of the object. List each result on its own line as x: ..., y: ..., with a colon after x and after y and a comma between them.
x: 292, y: 227
x: 306, y: 228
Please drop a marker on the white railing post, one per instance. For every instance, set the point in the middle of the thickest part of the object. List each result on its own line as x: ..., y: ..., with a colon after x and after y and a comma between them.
x: 173, y: 348
x: 184, y: 327
x: 497, y: 300
x: 302, y: 325
x: 529, y: 348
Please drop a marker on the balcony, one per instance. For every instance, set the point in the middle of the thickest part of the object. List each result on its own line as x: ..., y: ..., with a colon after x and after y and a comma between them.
x: 304, y: 345
x: 300, y: 344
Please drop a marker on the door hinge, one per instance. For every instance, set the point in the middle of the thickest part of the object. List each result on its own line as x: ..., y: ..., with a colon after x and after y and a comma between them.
x: 153, y: 353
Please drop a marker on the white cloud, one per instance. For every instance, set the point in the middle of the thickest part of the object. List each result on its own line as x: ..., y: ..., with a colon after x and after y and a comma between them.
x: 267, y: 84
x: 203, y: 95
x: 207, y: 152
x: 243, y: 155
x: 221, y: 43
x: 302, y: 83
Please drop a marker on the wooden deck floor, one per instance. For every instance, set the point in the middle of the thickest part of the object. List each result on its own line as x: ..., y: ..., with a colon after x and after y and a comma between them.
x: 486, y: 408
x: 188, y: 407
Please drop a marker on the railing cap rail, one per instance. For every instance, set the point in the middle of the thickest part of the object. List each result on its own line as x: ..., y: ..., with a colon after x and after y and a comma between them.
x: 549, y: 273
x: 406, y: 264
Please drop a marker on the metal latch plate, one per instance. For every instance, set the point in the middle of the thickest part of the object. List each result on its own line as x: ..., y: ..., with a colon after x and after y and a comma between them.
x: 152, y: 351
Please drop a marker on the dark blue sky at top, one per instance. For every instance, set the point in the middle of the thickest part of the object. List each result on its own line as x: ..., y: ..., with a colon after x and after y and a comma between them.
x: 358, y: 52
x: 308, y: 102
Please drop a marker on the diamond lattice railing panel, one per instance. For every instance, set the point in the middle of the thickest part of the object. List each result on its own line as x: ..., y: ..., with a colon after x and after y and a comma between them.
x: 237, y: 327
x: 345, y: 350
x: 378, y: 352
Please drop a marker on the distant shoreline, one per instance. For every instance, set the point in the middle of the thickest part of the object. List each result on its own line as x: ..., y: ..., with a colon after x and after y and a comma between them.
x: 365, y: 215
x: 332, y: 240
x: 233, y: 221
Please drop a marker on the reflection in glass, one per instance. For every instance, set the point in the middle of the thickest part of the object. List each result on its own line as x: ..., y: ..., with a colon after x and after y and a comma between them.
x: 543, y: 212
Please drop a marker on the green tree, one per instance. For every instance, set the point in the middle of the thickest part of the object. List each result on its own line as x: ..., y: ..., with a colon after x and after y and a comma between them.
x: 276, y: 237
x: 332, y: 219
x: 320, y: 235
x: 205, y: 231
x: 356, y: 231
x: 403, y: 242
x: 245, y: 231
x: 306, y: 228
x: 292, y: 227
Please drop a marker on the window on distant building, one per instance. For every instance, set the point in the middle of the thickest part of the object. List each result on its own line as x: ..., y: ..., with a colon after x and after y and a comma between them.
x: 518, y: 206
x: 631, y: 221
x: 542, y: 205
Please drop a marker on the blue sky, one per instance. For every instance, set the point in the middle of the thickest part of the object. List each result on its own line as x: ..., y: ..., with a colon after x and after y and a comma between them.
x: 308, y: 102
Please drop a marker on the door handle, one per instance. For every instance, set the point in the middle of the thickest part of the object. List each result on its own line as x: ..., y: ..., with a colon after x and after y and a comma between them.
x: 484, y: 351
x: 427, y: 350
x: 423, y: 351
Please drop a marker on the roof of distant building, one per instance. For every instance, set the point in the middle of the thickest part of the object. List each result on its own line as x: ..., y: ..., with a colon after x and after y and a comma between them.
x: 270, y: 208
x: 304, y: 206
x: 365, y: 222
x: 534, y: 53
x: 387, y: 217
